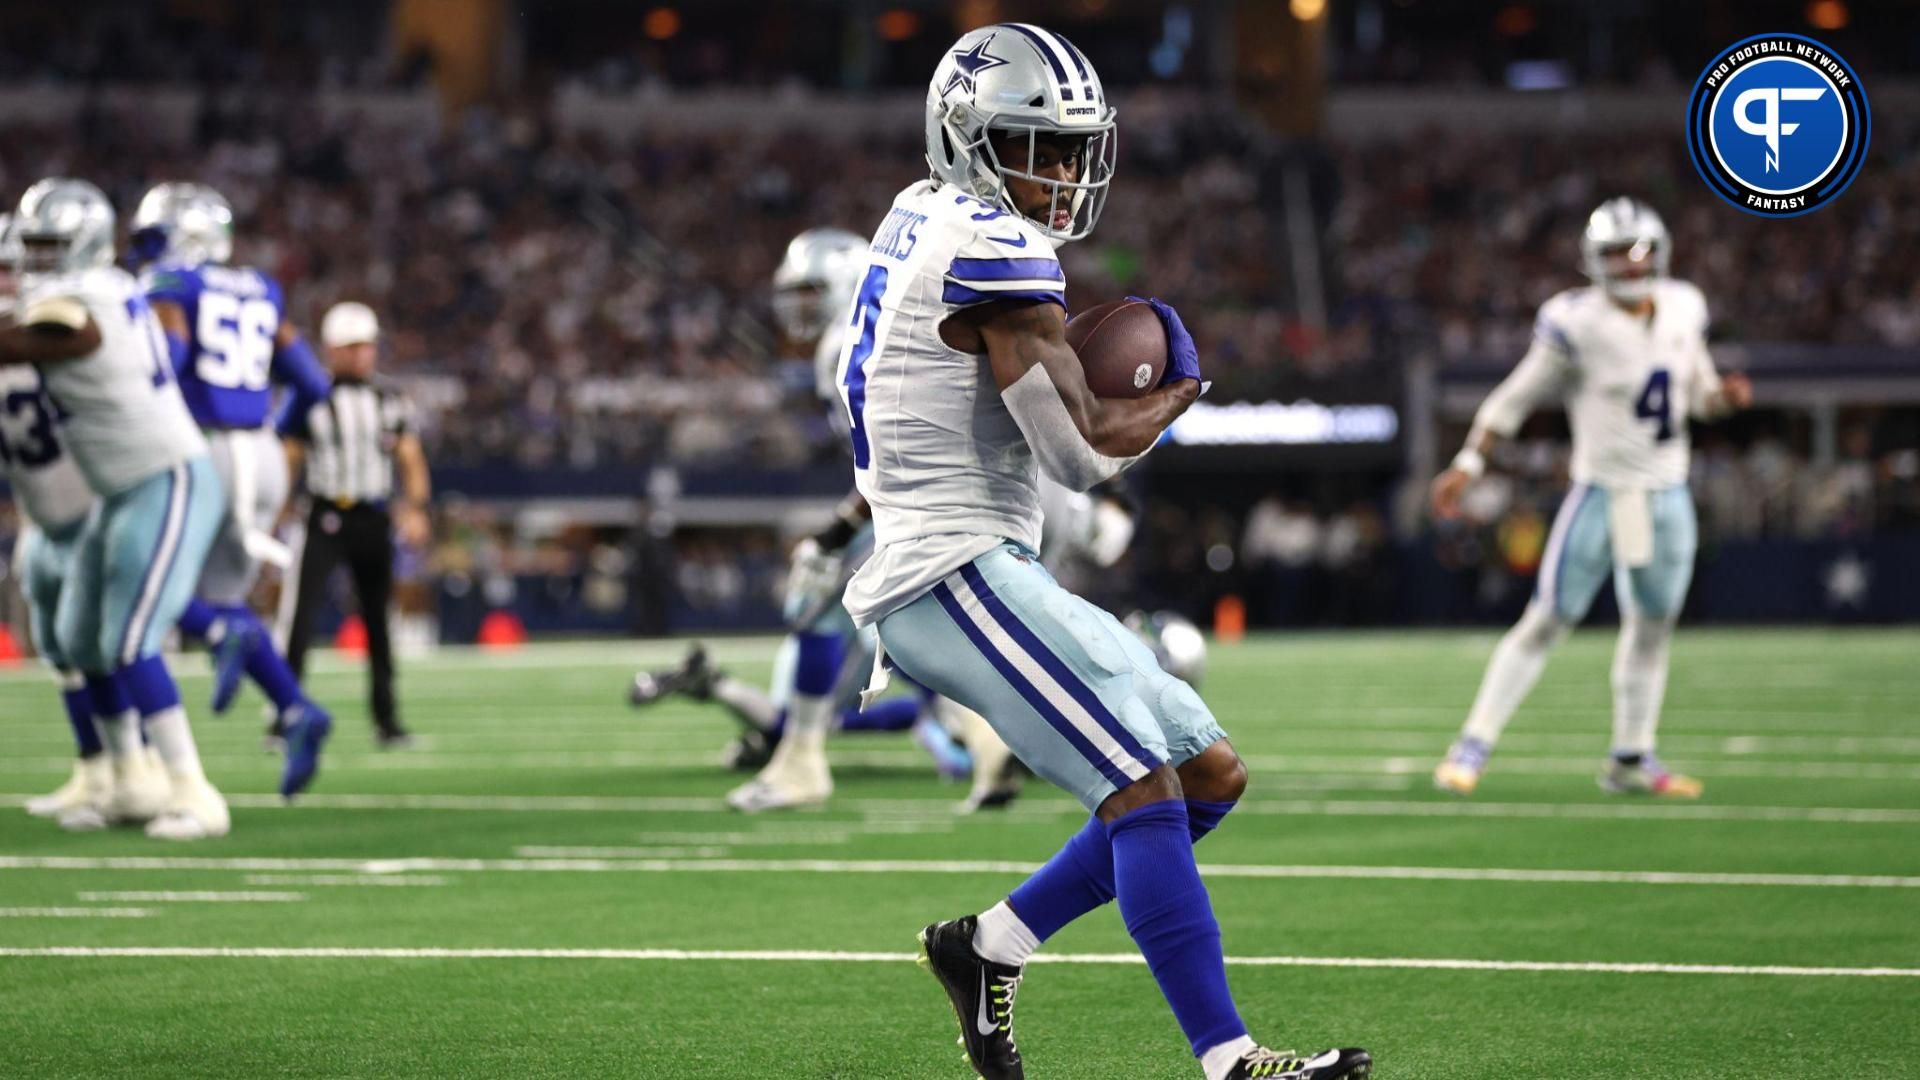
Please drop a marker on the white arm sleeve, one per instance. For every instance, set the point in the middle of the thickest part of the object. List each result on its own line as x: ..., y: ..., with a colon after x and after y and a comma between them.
x: 1540, y: 375
x: 1062, y: 451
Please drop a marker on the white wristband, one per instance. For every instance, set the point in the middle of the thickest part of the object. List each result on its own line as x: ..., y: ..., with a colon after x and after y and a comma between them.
x: 1470, y: 461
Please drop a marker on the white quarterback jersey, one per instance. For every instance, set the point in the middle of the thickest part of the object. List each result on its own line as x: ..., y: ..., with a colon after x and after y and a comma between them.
x: 1629, y: 383
x: 122, y: 416
x: 46, y: 483
x: 935, y: 451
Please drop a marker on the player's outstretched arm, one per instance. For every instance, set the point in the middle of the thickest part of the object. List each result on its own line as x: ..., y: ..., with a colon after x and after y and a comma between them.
x: 1540, y: 375
x: 1079, y: 439
x: 50, y: 330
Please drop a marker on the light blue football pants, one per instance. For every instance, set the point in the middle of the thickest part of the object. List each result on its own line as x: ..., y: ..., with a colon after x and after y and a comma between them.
x: 45, y: 561
x: 136, y: 564
x: 1079, y: 698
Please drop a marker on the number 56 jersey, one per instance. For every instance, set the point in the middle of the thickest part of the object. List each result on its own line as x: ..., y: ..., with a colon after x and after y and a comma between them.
x: 233, y: 315
x: 936, y: 454
x: 1629, y: 383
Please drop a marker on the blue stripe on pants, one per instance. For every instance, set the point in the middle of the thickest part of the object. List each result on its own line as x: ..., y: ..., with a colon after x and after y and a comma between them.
x: 1031, y: 693
x: 1052, y: 665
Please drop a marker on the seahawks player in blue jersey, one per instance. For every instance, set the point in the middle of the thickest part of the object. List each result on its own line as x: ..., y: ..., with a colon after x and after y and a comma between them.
x: 231, y: 342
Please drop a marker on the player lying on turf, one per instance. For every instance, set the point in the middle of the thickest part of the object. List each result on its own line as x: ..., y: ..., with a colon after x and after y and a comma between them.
x: 958, y: 385
x: 1628, y: 357
x: 86, y: 326
x: 1095, y: 527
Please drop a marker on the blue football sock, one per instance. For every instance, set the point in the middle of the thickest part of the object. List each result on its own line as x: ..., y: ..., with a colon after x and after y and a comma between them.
x: 265, y: 666
x: 1167, y: 911
x: 1203, y: 817
x: 108, y: 696
x: 817, y: 664
x: 1076, y: 880
x: 197, y: 620
x: 79, y: 705
x: 1079, y: 877
x: 149, y: 685
x: 893, y: 714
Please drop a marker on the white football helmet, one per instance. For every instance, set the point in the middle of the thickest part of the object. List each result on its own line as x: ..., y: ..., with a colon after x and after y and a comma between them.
x: 63, y: 225
x: 1019, y: 79
x: 1178, y: 644
x: 183, y: 223
x: 1630, y: 228
x: 815, y: 281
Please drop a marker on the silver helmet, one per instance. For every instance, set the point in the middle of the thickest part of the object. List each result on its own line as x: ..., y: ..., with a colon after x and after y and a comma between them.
x: 1625, y: 233
x: 816, y: 280
x: 1020, y: 80
x: 184, y: 223
x: 1178, y: 644
x: 63, y: 225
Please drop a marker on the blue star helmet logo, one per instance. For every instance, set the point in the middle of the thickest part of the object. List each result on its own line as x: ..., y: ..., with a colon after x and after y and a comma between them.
x: 969, y: 63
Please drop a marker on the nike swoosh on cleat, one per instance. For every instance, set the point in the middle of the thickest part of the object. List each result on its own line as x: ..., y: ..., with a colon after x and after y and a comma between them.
x: 983, y: 1023
x: 1012, y: 242
x: 1327, y: 1058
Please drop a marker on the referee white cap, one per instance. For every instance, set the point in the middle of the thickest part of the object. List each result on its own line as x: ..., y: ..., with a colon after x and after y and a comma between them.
x: 349, y: 323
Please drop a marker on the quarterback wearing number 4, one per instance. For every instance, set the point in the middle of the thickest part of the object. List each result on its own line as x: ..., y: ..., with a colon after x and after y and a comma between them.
x: 960, y: 388
x: 1629, y: 357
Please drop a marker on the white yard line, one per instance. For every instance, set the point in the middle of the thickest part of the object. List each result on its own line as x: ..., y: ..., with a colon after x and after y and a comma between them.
x: 837, y: 957
x: 1304, y: 772
x: 1032, y: 811
x: 75, y: 913
x: 324, y: 880
x: 614, y: 864
x: 538, y: 852
x: 198, y: 897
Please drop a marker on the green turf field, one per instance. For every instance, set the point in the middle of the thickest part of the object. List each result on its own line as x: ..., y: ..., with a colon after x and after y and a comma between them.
x: 551, y: 886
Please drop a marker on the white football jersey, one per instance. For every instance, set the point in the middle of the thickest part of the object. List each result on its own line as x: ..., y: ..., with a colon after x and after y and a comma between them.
x: 46, y: 484
x: 122, y: 417
x: 1629, y: 383
x: 936, y: 453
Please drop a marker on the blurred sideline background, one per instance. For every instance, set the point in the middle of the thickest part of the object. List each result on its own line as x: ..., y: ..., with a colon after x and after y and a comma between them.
x: 567, y: 216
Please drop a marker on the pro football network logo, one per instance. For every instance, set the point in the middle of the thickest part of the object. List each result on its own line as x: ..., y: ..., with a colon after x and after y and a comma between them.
x: 1778, y: 125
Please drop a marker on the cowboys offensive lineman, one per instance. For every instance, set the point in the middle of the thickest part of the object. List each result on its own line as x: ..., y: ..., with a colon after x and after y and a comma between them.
x: 86, y: 325
x: 959, y: 386
x: 1628, y: 355
x: 54, y: 499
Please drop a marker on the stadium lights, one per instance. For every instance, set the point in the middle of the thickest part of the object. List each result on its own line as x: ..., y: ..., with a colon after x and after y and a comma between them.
x: 1828, y: 14
x: 896, y: 25
x: 661, y: 23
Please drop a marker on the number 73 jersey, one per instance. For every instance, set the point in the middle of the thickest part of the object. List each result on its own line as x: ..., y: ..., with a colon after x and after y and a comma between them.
x: 1629, y: 383
x: 233, y: 313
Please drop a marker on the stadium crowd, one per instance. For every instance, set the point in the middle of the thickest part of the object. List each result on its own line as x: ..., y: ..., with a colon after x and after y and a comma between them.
x: 563, y: 300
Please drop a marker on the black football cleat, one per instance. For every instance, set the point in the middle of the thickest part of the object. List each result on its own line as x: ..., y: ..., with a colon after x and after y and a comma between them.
x: 1264, y: 1064
x: 694, y: 678
x: 982, y: 995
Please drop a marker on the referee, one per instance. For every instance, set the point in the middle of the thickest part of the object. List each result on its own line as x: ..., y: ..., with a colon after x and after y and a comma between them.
x: 353, y: 443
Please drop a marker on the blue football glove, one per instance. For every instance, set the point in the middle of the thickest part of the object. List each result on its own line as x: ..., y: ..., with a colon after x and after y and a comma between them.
x: 1183, y: 360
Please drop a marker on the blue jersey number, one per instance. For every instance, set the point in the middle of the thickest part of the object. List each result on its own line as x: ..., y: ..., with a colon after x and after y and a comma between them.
x: 236, y: 341
x: 1656, y: 403
x: 26, y: 430
x: 866, y: 316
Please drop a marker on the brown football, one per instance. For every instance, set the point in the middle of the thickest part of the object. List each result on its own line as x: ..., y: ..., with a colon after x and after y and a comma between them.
x: 1122, y: 346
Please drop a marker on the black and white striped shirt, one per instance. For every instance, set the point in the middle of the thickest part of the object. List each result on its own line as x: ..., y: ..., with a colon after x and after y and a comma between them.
x: 350, y: 439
